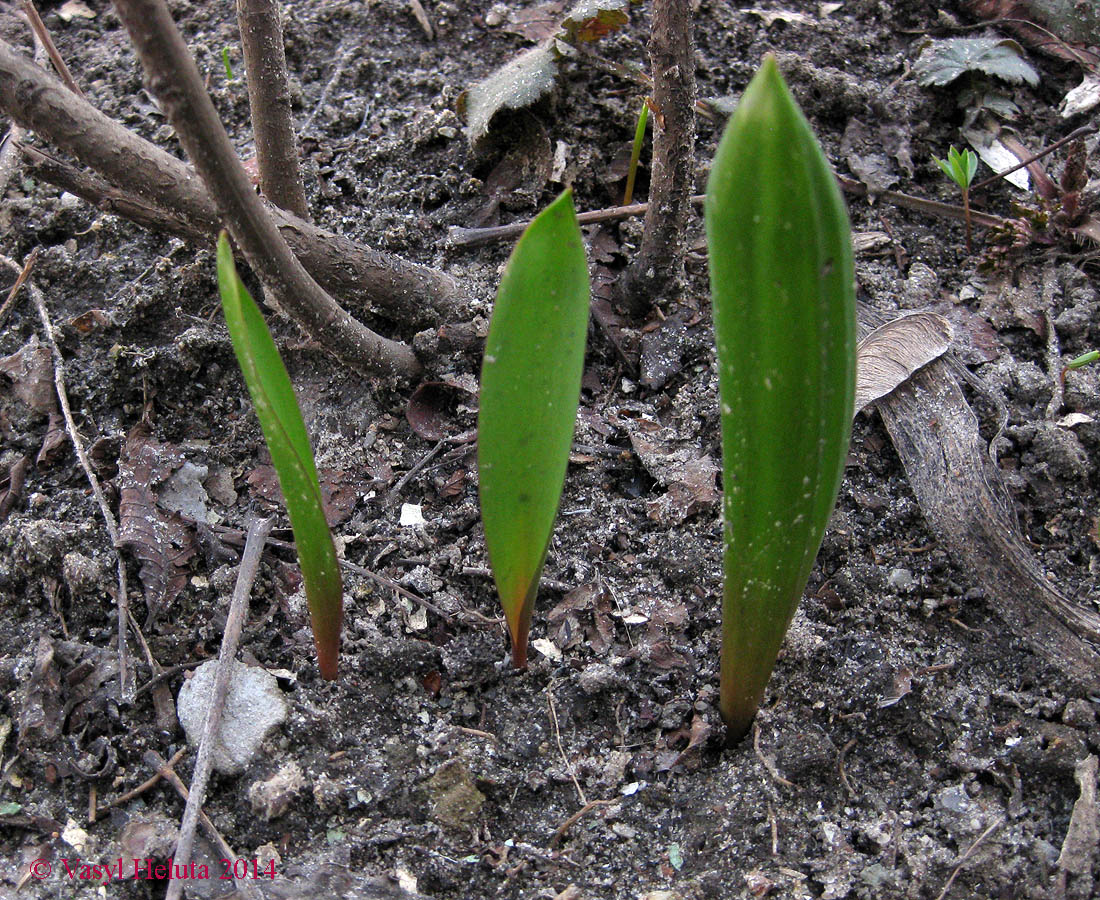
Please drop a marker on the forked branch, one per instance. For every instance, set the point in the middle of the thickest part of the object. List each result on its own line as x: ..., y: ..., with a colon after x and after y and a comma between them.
x: 415, y: 295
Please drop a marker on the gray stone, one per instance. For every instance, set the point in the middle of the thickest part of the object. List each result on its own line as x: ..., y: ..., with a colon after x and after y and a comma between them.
x: 254, y: 706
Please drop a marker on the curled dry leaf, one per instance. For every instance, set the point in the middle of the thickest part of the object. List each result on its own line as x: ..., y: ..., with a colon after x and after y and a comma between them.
x: 160, y: 540
x: 432, y: 408
x: 893, y: 352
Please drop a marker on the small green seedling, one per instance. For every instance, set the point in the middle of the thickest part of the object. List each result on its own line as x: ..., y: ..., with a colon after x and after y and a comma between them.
x: 530, y: 389
x: 783, y: 289
x: 225, y: 62
x: 636, y: 151
x: 287, y: 440
x: 1083, y: 360
x: 961, y: 168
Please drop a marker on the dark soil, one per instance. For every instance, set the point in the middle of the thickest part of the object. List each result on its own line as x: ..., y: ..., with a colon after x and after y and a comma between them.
x: 910, y: 745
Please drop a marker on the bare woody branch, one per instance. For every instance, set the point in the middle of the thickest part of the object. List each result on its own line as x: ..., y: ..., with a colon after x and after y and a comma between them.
x: 658, y: 267
x: 174, y: 79
x: 269, y: 100
x: 416, y: 295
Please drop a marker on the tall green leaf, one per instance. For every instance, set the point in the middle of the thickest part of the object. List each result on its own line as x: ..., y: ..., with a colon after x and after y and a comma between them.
x: 285, y: 433
x: 530, y: 388
x: 782, y: 281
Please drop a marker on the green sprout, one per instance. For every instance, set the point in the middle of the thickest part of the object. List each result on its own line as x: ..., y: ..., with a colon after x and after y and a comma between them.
x: 291, y: 454
x: 636, y: 151
x: 225, y: 62
x: 783, y: 288
x: 530, y: 389
x: 1083, y: 360
x: 960, y: 168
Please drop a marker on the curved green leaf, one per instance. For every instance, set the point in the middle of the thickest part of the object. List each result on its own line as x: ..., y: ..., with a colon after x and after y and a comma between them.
x: 285, y: 433
x: 530, y: 388
x: 782, y: 280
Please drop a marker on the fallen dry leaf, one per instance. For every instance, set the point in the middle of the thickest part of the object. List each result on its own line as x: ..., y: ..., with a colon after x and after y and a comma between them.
x: 894, y: 351
x: 161, y: 541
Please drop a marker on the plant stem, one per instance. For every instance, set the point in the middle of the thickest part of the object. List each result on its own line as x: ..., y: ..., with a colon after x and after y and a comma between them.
x: 659, y: 265
x: 417, y: 296
x: 966, y: 214
x: 269, y: 100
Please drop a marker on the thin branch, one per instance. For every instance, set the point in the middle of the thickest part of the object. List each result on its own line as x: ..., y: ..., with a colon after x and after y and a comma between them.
x: 469, y: 237
x: 43, y: 35
x: 238, y: 610
x: 125, y: 669
x: 157, y: 763
x: 658, y: 268
x: 1083, y: 131
x: 103, y: 195
x: 123, y: 799
x: 269, y: 100
x: 36, y: 100
x: 174, y: 79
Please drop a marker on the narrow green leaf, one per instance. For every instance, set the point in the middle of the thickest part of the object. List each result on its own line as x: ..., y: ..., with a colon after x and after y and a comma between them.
x: 782, y: 283
x: 636, y: 152
x: 970, y: 166
x: 530, y: 388
x: 285, y: 433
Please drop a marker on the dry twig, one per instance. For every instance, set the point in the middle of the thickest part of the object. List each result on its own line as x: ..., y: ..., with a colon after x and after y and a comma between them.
x: 123, y: 799
x: 43, y: 36
x: 969, y: 850
x: 658, y: 268
x: 557, y: 740
x: 125, y: 669
x: 238, y: 610
x: 157, y: 763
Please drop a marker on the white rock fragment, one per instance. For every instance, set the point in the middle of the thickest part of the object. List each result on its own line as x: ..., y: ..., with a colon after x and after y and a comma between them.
x: 254, y: 706
x: 412, y: 515
x: 272, y: 797
x: 547, y: 648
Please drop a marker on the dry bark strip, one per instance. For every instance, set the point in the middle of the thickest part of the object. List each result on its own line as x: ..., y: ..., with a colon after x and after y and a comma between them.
x: 415, y: 295
x: 968, y: 509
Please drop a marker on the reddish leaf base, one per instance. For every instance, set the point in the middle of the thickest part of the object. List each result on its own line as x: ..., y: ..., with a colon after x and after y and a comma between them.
x: 519, y: 645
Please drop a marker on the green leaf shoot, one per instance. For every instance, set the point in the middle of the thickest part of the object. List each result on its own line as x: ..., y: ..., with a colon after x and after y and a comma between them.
x: 961, y: 168
x: 285, y: 432
x: 530, y: 389
x: 226, y: 63
x: 783, y: 291
x: 636, y: 152
x: 1083, y: 360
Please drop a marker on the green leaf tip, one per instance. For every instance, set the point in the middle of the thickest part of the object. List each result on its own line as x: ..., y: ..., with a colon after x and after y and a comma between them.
x: 285, y: 433
x: 782, y: 282
x: 530, y: 390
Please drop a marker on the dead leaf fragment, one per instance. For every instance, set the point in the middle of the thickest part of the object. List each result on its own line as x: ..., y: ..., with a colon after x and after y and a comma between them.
x: 894, y: 351
x: 160, y: 540
x: 31, y: 370
x: 537, y: 23
x: 514, y: 85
